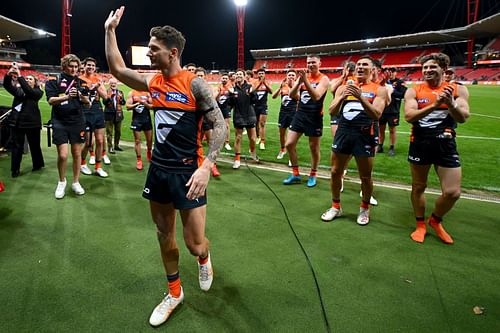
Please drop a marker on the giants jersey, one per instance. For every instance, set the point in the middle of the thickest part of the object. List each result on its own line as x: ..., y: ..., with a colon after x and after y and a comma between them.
x: 287, y: 103
x: 223, y: 99
x: 140, y: 111
x: 306, y: 103
x: 91, y: 84
x: 352, y: 113
x: 261, y: 92
x: 439, y: 120
x: 177, y: 123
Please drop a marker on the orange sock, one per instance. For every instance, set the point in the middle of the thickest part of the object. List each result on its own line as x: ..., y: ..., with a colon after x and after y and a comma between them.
x: 92, y: 153
x: 336, y: 204
x: 83, y: 162
x: 435, y: 223
x: 203, y: 261
x: 174, y: 284
x: 295, y: 170
x: 237, y: 156
x: 97, y: 165
x: 419, y: 234
x: 313, y: 173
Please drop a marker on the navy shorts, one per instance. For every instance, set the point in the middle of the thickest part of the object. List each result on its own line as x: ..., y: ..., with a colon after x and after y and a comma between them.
x: 311, y: 124
x: 68, y: 134
x: 94, y: 120
x: 355, y: 142
x: 285, y: 119
x: 139, y: 125
x: 441, y: 152
x: 166, y: 187
x: 260, y: 111
x: 391, y: 119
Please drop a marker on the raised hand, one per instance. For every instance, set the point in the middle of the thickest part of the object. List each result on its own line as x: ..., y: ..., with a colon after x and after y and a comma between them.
x: 113, y: 19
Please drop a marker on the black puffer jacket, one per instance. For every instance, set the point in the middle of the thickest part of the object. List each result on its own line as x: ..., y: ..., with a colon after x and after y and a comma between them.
x: 29, y: 116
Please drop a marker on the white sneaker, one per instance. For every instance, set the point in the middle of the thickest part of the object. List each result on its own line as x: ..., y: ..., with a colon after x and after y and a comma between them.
x: 227, y: 146
x: 77, y: 188
x: 289, y: 163
x: 101, y: 173
x: 254, y: 157
x: 257, y: 141
x: 61, y: 189
x: 281, y: 154
x: 106, y: 160
x: 331, y: 213
x: 363, y: 216
x: 206, y: 274
x: 236, y: 164
x: 92, y: 160
x: 373, y: 201
x: 244, y: 132
x: 262, y: 146
x: 85, y: 169
x: 163, y: 310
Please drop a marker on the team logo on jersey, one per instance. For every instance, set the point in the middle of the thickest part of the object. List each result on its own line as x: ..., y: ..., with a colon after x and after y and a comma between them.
x: 165, y: 120
x: 155, y: 94
x: 423, y: 100
x: 176, y: 97
x: 368, y: 94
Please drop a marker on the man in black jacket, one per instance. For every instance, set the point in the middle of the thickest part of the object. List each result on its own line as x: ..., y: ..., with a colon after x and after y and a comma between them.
x: 25, y: 119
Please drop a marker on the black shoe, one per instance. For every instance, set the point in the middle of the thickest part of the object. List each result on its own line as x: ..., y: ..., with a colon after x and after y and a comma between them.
x: 38, y: 168
x: 15, y: 174
x: 380, y: 149
x: 118, y: 148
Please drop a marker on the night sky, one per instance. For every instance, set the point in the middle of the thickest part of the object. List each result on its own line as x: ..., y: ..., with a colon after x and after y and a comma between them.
x: 210, y: 25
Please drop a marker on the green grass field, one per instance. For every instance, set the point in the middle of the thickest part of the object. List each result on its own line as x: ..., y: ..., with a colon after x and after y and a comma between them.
x: 478, y: 143
x: 91, y: 263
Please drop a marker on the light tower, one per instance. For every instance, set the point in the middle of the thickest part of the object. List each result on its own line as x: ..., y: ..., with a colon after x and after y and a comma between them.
x: 65, y: 29
x: 472, y: 9
x: 240, y: 15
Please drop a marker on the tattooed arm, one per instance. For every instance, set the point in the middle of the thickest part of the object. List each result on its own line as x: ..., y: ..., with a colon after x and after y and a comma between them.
x: 213, y: 115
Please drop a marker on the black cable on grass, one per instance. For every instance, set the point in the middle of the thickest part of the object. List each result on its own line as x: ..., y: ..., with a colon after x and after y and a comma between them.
x: 322, y: 303
x: 434, y: 278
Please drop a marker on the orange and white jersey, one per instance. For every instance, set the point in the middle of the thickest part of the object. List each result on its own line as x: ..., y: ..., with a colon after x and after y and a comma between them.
x: 438, y: 120
x: 306, y: 103
x: 177, y: 123
x: 352, y: 112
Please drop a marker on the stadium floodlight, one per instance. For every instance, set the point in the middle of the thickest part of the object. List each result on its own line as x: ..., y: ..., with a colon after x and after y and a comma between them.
x: 41, y: 32
x: 240, y: 3
x: 240, y: 15
x: 286, y: 49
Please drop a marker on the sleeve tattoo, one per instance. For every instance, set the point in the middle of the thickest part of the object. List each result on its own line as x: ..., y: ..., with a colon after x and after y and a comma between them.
x: 213, y: 115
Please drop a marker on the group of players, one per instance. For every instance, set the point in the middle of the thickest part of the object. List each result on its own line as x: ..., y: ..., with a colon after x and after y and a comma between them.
x: 179, y: 171
x: 78, y: 117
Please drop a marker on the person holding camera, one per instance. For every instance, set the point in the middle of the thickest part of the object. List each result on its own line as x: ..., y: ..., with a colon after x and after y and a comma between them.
x: 434, y: 108
x: 25, y: 119
x: 113, y: 115
x: 68, y: 123
x: 360, y: 103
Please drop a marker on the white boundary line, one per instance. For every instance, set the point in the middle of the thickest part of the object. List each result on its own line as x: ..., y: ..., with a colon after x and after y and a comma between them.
x: 271, y: 167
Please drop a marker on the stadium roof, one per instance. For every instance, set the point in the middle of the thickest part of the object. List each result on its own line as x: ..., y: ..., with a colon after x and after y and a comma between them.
x: 14, y: 31
x: 488, y: 27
